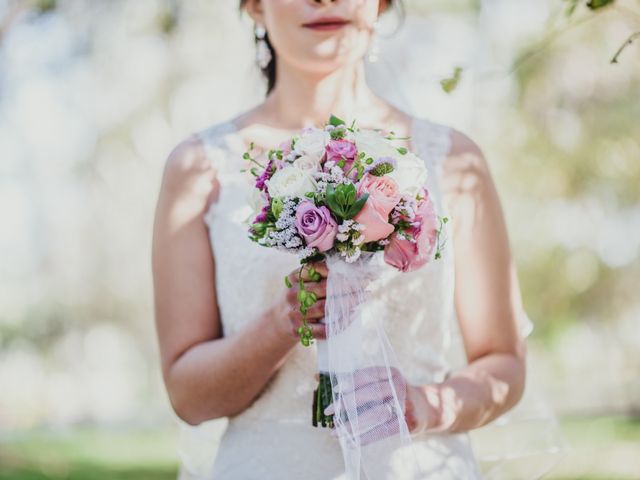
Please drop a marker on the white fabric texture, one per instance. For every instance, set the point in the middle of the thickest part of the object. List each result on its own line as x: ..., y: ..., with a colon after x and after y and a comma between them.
x: 273, y: 438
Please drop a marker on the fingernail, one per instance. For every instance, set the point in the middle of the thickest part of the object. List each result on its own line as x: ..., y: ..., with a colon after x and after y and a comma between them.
x: 329, y: 410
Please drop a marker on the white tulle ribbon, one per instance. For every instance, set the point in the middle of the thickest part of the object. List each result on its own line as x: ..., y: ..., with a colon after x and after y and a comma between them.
x: 368, y: 390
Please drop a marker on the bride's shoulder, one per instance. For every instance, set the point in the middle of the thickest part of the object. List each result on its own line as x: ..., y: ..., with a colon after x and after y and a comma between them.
x: 193, y: 153
x: 457, y: 147
x: 465, y: 166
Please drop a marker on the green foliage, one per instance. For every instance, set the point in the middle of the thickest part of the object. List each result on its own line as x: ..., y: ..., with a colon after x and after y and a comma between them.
x: 596, y: 4
x: 451, y: 83
x: 276, y: 207
x: 343, y: 202
x: 335, y: 121
x: 381, y: 169
x: 306, y: 300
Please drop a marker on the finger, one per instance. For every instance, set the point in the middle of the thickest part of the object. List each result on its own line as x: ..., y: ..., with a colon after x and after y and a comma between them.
x: 305, y: 272
x: 330, y: 410
x: 378, y: 375
x: 319, y: 331
x: 385, y: 430
x: 314, y: 314
x: 319, y: 288
x: 377, y: 421
x: 321, y: 268
x: 374, y: 392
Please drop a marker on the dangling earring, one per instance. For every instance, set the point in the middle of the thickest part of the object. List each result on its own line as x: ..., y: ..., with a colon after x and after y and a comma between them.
x: 374, y: 47
x: 263, y: 53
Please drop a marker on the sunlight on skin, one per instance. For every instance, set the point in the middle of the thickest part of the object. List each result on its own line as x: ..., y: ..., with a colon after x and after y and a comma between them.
x: 493, y: 381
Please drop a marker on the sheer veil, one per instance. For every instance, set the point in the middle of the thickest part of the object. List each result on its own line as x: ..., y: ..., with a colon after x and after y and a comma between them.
x: 409, y: 63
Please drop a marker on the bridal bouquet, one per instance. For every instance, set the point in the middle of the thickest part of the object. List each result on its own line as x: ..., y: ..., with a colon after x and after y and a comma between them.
x: 341, y: 193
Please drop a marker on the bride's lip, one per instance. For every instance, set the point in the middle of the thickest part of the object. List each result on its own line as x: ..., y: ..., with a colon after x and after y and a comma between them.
x: 327, y: 23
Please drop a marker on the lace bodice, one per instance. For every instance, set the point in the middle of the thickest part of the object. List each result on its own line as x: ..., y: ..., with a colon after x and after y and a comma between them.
x: 417, y: 307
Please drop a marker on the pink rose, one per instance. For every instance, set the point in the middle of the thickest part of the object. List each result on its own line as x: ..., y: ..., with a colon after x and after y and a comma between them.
x: 337, y: 150
x: 383, y: 197
x: 316, y: 225
x: 406, y: 255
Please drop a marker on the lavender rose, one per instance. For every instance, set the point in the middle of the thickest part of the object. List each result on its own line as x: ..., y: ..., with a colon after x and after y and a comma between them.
x: 337, y: 150
x: 316, y: 225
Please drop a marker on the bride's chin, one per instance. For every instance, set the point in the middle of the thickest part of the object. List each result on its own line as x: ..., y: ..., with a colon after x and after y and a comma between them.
x: 327, y: 64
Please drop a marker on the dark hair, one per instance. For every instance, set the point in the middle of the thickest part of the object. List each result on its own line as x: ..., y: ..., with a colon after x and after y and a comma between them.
x: 270, y: 70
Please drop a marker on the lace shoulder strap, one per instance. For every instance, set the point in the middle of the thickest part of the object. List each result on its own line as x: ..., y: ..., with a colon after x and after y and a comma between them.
x: 433, y: 140
x: 213, y: 141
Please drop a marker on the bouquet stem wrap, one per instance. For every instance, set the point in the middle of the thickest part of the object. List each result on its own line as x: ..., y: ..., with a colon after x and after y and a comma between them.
x: 358, y: 365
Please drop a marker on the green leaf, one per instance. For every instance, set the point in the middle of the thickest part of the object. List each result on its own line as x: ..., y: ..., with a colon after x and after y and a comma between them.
x: 402, y: 150
x: 276, y: 207
x: 351, y: 196
x: 597, y: 4
x: 287, y: 282
x: 335, y: 121
x: 357, y: 206
x: 451, y: 83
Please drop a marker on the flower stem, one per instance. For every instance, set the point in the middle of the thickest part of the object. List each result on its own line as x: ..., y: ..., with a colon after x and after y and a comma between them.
x: 322, y: 398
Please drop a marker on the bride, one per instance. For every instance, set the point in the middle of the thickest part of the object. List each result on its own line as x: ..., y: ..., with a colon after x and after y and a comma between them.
x: 226, y: 321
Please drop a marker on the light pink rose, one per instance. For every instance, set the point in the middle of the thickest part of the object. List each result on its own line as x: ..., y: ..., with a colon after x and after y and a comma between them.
x: 316, y: 225
x: 383, y: 197
x: 406, y: 255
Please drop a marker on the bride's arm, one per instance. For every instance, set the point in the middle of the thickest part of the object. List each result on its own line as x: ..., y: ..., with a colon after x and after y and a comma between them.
x: 206, y: 375
x: 487, y: 300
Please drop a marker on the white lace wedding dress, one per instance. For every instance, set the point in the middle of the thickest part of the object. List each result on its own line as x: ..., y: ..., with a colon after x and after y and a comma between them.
x: 273, y: 438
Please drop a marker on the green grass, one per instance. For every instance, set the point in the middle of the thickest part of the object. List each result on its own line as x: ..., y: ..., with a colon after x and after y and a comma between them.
x: 89, y: 454
x: 602, y: 448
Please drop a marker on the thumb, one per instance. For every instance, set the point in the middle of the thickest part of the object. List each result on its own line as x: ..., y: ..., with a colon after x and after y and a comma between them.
x: 330, y: 410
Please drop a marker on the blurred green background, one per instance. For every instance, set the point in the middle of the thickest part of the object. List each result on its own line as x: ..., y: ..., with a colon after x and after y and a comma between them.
x: 93, y: 96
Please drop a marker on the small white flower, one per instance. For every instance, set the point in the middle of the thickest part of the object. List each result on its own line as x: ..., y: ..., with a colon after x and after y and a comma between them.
x: 358, y: 240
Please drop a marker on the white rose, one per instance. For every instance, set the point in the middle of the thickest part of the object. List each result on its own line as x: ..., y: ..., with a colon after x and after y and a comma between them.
x: 410, y: 173
x: 290, y: 181
x: 257, y: 200
x: 375, y: 145
x: 307, y: 163
x: 312, y: 143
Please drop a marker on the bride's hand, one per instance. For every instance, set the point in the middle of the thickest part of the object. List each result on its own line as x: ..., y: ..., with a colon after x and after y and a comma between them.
x: 289, y: 317
x: 378, y: 418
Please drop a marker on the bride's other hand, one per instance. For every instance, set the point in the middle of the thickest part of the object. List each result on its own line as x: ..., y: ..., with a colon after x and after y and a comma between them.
x: 377, y: 417
x: 288, y: 315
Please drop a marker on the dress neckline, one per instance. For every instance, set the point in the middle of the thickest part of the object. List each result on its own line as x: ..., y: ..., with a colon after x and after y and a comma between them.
x: 231, y: 128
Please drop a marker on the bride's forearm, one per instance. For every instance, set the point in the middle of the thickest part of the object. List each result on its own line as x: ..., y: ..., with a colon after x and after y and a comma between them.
x: 222, y: 377
x: 476, y: 394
